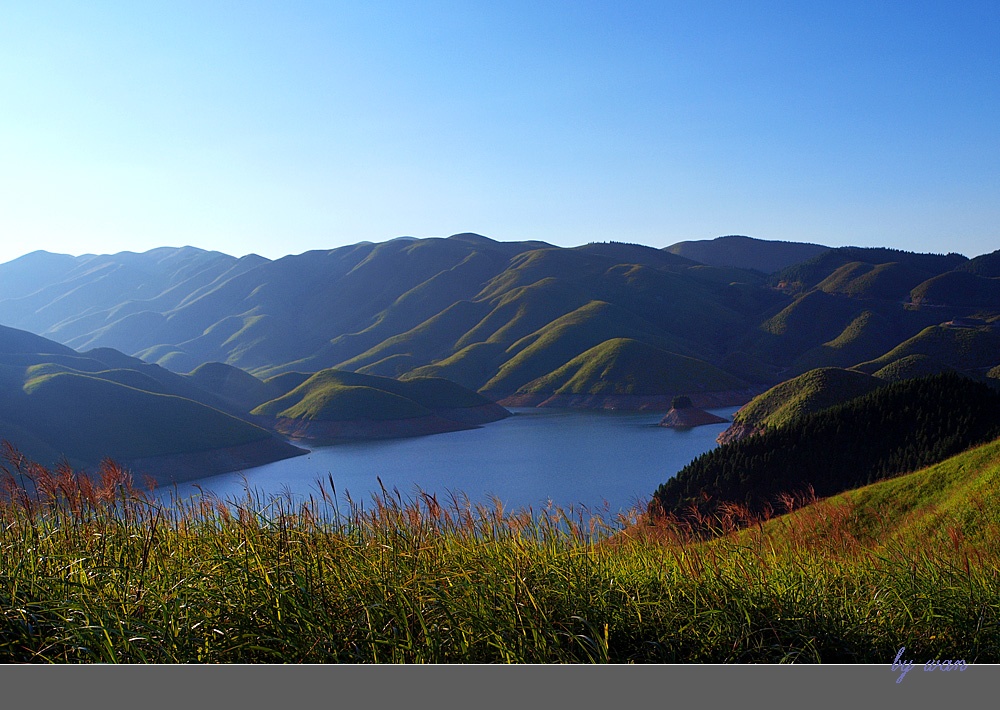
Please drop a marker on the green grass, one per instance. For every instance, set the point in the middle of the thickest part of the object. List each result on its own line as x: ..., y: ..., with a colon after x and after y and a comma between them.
x: 336, y: 395
x: 88, y: 418
x: 807, y: 322
x: 909, y: 367
x: 959, y: 348
x: 867, y: 336
x: 432, y: 339
x: 551, y: 347
x: 96, y: 572
x: 626, y: 366
x: 810, y: 392
x: 891, y: 281
x: 471, y: 367
x: 959, y: 288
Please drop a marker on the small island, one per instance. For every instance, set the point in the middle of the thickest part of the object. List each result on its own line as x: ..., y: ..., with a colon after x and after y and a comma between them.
x: 684, y: 415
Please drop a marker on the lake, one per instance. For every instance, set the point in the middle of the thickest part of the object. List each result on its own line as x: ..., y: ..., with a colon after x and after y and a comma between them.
x: 565, y: 456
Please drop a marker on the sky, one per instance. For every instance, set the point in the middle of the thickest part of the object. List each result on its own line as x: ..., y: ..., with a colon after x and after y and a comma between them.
x: 280, y: 127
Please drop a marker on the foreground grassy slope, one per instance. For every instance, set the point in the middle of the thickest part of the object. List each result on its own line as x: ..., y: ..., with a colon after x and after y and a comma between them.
x: 907, y: 562
x: 950, y: 504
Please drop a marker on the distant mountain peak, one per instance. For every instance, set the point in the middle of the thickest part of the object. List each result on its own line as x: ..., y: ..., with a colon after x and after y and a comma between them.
x: 472, y: 237
x: 735, y: 250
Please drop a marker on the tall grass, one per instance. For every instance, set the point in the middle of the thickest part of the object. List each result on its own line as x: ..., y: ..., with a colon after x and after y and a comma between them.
x: 97, y: 570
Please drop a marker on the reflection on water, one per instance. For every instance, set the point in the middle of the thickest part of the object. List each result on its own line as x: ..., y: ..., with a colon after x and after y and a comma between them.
x: 567, y: 457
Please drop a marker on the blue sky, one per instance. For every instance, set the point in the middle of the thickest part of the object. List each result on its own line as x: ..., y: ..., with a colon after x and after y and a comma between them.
x: 280, y: 127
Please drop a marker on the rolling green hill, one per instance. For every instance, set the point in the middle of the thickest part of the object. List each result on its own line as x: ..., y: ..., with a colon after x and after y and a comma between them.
x: 806, y: 394
x: 335, y: 405
x: 810, y: 273
x: 389, y: 309
x: 87, y: 418
x: 336, y: 395
x: 747, y: 253
x: 472, y: 366
x: 987, y: 265
x: 948, y: 502
x: 959, y: 288
x: 866, y: 337
x: 889, y: 281
x: 807, y: 322
x: 557, y: 343
x: 623, y: 366
x: 911, y: 366
x: 240, y: 390
x: 904, y: 426
x: 960, y: 348
x: 56, y: 403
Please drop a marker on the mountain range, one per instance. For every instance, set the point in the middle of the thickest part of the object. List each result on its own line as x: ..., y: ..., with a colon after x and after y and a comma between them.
x: 257, y: 346
x: 519, y: 318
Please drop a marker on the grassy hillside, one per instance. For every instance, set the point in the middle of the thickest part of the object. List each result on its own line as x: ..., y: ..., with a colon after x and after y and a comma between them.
x: 987, y: 265
x: 87, y: 418
x: 968, y: 349
x: 493, y: 315
x: 240, y: 389
x: 747, y: 253
x: 873, y: 332
x: 948, y: 503
x: 433, y: 339
x: 889, y: 281
x: 624, y: 253
x: 894, y: 429
x: 626, y: 366
x: 911, y: 561
x: 808, y: 322
x: 472, y: 366
x: 335, y: 395
x: 959, y: 288
x: 387, y: 309
x: 810, y: 273
x: 910, y: 367
x: 55, y: 402
x: 808, y: 393
x: 563, y: 339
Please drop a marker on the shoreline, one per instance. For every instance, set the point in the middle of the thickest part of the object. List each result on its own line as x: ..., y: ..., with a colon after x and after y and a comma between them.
x: 632, y: 402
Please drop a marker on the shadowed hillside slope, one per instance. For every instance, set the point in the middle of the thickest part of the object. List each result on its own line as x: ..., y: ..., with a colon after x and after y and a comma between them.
x: 56, y: 403
x: 747, y: 253
x: 806, y: 394
x: 903, y: 426
x: 496, y: 316
x: 334, y: 404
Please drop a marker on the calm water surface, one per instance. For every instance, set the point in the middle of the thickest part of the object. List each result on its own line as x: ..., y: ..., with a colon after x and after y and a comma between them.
x: 569, y: 457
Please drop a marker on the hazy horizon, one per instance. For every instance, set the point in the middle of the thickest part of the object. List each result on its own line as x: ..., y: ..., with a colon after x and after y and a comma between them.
x: 270, y: 129
x: 276, y: 255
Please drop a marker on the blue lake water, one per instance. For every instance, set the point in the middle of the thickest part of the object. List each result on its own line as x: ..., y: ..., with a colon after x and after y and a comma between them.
x: 567, y: 457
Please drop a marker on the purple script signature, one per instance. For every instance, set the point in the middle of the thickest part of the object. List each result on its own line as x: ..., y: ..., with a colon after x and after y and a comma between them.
x: 904, y: 666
